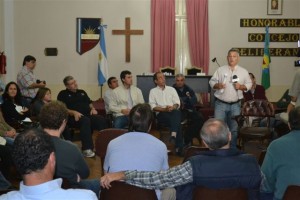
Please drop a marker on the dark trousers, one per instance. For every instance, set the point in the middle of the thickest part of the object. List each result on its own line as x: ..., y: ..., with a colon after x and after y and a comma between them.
x: 87, y: 124
x: 195, y: 122
x: 173, y: 121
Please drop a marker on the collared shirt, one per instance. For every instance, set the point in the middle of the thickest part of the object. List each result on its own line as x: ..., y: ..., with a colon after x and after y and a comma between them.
x: 159, y: 97
x: 25, y: 78
x: 178, y: 175
x: 295, y: 88
x: 48, y: 191
x: 78, y: 100
x: 230, y: 94
x: 120, y: 96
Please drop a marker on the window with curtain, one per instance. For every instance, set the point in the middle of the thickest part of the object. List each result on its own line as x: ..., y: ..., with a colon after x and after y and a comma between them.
x: 182, y: 54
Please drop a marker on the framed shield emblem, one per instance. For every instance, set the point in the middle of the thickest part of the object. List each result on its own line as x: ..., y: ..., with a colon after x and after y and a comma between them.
x: 88, y: 34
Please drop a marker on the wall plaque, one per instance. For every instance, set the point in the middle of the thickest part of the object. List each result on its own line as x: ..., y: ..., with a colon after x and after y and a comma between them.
x: 274, y: 37
x: 285, y: 52
x: 269, y: 22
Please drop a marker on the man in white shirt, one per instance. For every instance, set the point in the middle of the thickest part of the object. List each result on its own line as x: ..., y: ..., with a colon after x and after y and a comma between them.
x: 165, y: 101
x: 229, y: 82
x: 123, y: 98
x: 112, y: 84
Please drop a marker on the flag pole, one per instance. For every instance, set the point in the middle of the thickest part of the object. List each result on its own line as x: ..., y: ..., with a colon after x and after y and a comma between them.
x: 101, y: 86
x: 102, y: 60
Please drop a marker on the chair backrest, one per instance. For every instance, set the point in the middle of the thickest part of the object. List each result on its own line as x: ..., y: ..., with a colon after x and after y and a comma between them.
x: 103, y: 137
x: 258, y: 108
x: 192, y: 151
x: 121, y: 190
x: 193, y: 70
x: 292, y: 192
x: 168, y: 70
x: 202, y: 193
x: 99, y: 105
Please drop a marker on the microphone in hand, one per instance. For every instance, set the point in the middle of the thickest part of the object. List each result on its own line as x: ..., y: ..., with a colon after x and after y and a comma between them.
x: 235, y: 80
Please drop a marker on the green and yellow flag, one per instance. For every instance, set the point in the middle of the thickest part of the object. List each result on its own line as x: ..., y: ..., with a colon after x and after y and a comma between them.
x: 265, y: 79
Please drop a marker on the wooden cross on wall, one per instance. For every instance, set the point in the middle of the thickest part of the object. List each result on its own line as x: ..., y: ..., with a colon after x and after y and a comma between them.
x: 127, y: 32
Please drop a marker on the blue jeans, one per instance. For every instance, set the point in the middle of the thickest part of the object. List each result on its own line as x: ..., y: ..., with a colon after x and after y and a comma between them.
x: 91, y: 184
x: 121, y: 121
x: 227, y: 112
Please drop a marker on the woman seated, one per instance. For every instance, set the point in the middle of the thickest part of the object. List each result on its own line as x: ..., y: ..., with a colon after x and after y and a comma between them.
x: 42, y: 97
x: 13, y: 109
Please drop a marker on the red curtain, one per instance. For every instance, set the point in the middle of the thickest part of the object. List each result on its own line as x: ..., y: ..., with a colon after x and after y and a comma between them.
x: 162, y: 34
x: 197, y: 23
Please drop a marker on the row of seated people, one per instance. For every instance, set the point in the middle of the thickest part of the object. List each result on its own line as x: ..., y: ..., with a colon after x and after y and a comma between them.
x: 220, y: 167
x: 171, y: 105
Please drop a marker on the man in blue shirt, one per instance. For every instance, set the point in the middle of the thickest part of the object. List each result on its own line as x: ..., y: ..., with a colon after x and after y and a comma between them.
x: 33, y: 154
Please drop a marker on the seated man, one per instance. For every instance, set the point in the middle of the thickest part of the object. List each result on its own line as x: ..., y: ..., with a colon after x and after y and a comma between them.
x: 256, y: 91
x: 34, y: 157
x: 82, y: 114
x: 112, y: 83
x: 123, y: 98
x: 129, y: 152
x: 281, y: 166
x: 221, y: 167
x: 165, y: 102
x: 70, y: 163
x: 188, y: 111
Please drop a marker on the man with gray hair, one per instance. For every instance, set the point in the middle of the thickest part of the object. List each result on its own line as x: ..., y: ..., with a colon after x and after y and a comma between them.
x: 221, y: 167
x: 188, y: 100
x: 82, y: 114
x: 229, y: 82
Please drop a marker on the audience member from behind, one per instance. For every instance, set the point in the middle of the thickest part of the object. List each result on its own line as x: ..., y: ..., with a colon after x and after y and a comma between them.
x: 221, y: 167
x: 34, y: 157
x: 42, y: 97
x: 137, y: 149
x: 82, y: 114
x: 13, y: 108
x: 281, y: 166
x: 256, y: 91
x: 70, y: 163
x: 27, y: 81
x: 112, y: 84
x: 123, y: 99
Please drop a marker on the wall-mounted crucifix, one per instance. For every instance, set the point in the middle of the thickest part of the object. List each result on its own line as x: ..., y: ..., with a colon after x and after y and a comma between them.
x: 127, y: 32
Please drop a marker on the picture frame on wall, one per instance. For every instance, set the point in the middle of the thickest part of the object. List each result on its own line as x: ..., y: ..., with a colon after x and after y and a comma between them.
x: 274, y: 7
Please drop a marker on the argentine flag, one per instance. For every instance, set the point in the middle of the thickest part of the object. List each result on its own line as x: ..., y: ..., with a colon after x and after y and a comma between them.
x: 102, y: 61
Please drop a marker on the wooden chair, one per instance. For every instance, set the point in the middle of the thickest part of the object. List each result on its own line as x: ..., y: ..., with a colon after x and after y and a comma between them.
x: 292, y: 192
x: 121, y: 190
x: 99, y: 105
x: 103, y: 137
x: 168, y: 70
x: 202, y: 193
x: 255, y: 108
x: 193, y: 151
x: 193, y: 70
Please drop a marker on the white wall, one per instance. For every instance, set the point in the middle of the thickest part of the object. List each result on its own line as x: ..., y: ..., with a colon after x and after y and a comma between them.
x: 52, y: 23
